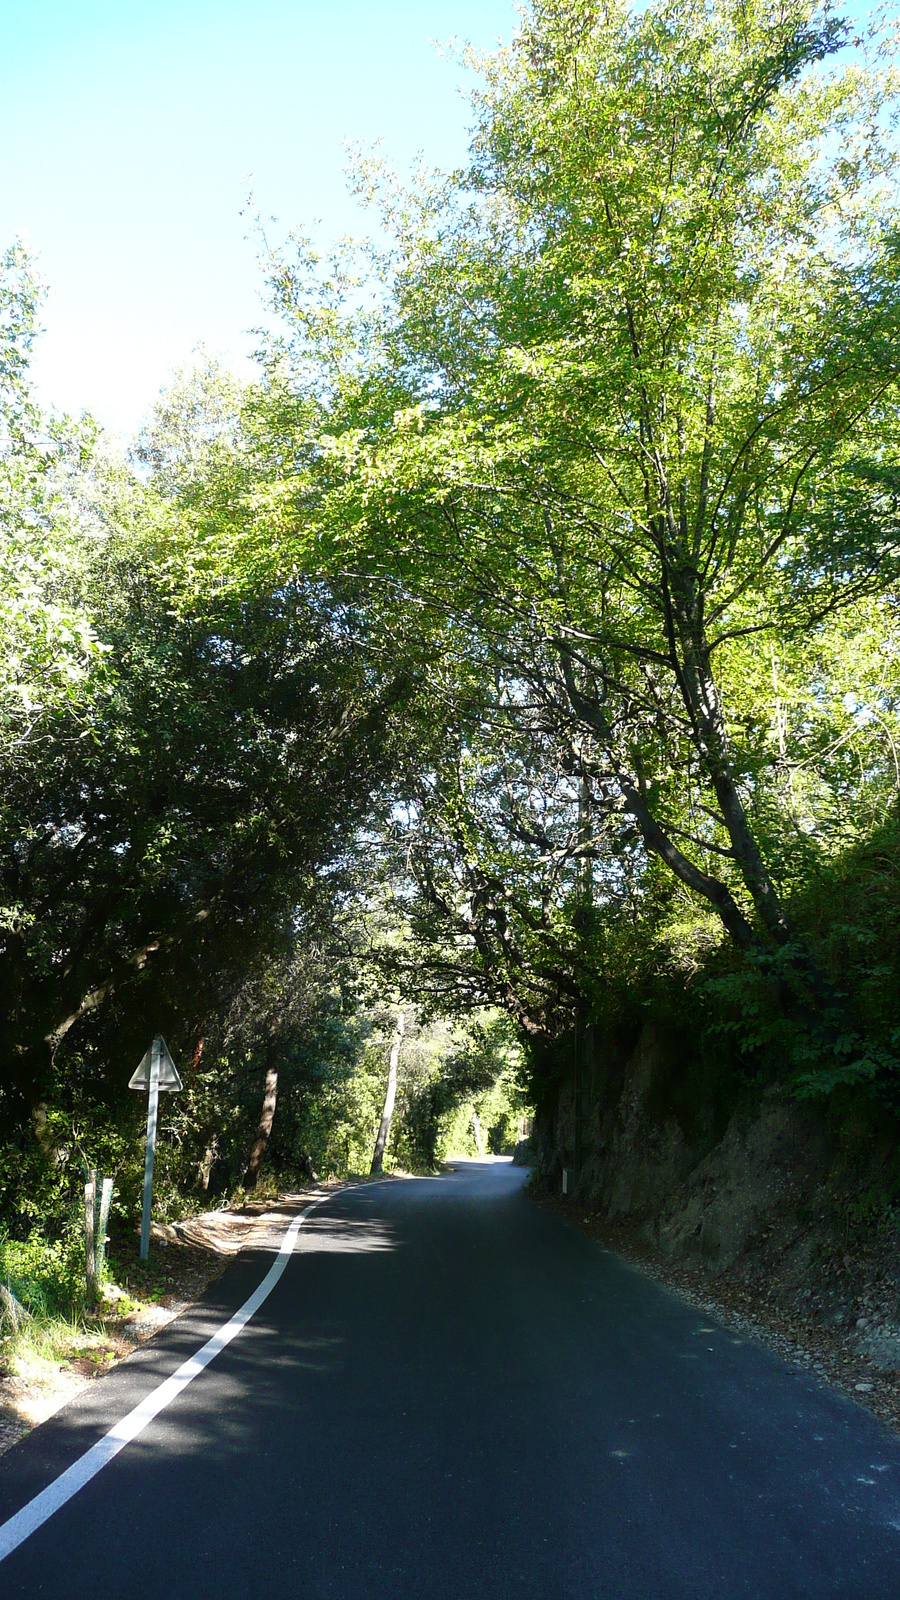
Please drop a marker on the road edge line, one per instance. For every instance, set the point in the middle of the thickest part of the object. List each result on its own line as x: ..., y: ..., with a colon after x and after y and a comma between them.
x: 23, y: 1523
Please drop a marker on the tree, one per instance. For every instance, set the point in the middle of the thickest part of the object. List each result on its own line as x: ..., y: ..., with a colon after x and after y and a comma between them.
x: 626, y: 415
x: 482, y: 862
x: 390, y: 1096
x: 223, y: 777
x: 51, y: 522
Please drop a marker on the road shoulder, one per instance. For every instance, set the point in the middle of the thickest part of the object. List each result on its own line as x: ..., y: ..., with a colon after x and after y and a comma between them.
x: 755, y: 1310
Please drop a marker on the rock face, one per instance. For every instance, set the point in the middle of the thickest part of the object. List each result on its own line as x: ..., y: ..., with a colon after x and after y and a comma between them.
x: 755, y: 1178
x: 656, y: 1160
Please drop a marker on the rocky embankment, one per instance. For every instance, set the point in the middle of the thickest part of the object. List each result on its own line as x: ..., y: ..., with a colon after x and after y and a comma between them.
x: 779, y: 1217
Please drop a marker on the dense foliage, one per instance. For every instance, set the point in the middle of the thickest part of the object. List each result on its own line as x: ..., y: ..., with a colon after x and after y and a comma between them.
x: 621, y: 430
x: 525, y: 637
x: 189, y: 784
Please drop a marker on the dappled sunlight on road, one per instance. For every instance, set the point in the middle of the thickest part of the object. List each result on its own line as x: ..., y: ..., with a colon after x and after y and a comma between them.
x: 477, y: 1161
x: 343, y: 1235
x: 242, y: 1414
x: 404, y: 1380
x: 320, y: 1231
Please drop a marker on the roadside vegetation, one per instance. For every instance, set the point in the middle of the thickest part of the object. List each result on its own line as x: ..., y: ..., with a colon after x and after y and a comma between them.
x: 517, y: 655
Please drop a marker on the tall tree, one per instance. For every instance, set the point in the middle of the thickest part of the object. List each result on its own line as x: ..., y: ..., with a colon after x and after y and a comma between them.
x: 51, y: 524
x: 627, y: 413
x: 390, y: 1097
x: 267, y: 1115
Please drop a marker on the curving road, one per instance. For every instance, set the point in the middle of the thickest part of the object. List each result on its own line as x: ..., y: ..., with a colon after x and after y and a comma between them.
x: 449, y: 1393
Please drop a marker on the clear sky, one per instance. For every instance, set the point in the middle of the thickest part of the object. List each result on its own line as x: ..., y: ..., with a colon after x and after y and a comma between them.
x: 128, y: 129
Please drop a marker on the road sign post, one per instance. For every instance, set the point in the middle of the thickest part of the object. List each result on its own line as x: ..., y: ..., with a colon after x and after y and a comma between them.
x: 157, y: 1074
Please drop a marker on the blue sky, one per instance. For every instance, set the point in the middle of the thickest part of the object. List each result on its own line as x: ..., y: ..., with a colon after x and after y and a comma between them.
x: 128, y: 131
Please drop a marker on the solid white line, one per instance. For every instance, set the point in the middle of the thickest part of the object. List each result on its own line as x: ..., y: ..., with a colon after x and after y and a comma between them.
x: 36, y: 1512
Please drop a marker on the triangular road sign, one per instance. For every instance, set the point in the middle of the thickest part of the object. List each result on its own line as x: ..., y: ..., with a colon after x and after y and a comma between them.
x: 169, y: 1081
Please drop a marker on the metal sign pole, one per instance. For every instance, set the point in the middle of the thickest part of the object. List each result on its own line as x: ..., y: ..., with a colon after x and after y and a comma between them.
x: 158, y: 1073
x: 150, y: 1148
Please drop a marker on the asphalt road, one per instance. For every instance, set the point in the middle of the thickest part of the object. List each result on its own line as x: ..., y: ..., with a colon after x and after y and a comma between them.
x: 449, y: 1393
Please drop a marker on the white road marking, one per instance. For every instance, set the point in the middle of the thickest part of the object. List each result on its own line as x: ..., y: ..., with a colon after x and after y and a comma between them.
x: 37, y: 1511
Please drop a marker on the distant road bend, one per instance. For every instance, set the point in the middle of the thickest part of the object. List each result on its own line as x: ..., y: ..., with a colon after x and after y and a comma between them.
x: 446, y: 1392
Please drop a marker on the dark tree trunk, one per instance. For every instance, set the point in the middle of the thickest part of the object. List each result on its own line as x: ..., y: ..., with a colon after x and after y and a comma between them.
x: 805, y: 992
x: 270, y: 1098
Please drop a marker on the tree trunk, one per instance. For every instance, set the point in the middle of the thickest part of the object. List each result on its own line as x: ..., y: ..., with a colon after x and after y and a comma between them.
x: 704, y: 707
x: 208, y: 1162
x: 656, y: 840
x: 818, y: 1007
x: 477, y: 1130
x: 270, y: 1097
x: 824, y: 1008
x: 389, y: 1098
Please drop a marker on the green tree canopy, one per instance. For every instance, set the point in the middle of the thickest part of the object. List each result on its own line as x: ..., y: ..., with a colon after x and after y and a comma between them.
x: 622, y: 416
x: 51, y: 522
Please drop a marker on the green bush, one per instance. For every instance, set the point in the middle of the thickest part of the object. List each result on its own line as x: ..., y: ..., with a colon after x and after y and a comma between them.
x: 46, y: 1276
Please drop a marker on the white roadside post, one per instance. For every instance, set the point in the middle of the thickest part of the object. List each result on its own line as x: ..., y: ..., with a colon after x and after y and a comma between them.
x: 158, y: 1074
